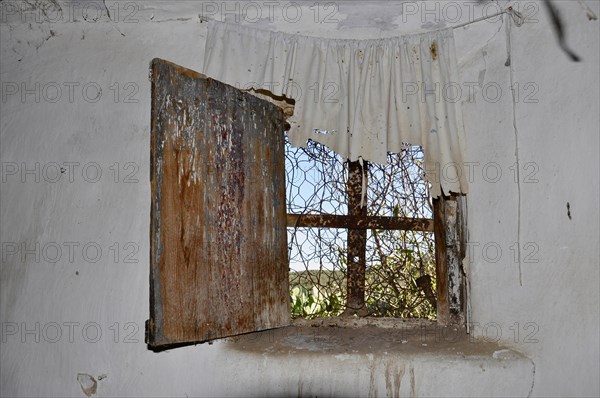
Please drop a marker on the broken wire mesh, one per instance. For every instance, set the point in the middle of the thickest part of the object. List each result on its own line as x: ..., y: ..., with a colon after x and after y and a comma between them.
x: 400, y: 266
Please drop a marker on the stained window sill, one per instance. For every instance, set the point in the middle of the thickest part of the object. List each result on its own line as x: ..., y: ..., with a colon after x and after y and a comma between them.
x: 359, y: 357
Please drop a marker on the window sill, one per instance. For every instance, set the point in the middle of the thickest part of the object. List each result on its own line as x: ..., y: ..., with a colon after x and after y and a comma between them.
x: 373, y: 357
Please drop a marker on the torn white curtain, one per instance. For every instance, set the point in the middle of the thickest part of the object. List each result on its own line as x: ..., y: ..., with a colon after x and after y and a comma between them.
x: 371, y: 96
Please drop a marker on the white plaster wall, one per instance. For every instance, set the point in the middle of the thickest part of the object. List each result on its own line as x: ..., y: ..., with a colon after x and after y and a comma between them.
x: 558, y: 135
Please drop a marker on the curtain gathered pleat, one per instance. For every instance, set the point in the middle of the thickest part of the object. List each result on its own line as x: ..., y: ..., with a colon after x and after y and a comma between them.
x: 361, y: 98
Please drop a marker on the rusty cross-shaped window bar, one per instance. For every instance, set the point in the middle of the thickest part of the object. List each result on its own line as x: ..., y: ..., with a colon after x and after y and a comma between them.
x: 357, y: 222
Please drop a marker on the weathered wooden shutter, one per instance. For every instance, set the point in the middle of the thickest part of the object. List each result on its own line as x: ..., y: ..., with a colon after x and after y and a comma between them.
x: 218, y: 219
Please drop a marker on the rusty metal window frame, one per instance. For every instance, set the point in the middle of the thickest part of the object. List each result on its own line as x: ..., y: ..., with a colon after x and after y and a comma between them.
x: 447, y: 225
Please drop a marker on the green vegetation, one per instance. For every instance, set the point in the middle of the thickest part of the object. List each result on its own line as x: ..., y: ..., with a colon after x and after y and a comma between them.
x: 399, y: 286
x: 317, y: 293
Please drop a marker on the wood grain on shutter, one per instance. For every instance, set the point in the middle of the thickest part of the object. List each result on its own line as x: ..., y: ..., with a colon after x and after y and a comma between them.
x: 450, y: 245
x: 218, y: 219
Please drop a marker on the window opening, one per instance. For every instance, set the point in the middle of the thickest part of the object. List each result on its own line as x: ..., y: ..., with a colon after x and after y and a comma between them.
x: 374, y: 260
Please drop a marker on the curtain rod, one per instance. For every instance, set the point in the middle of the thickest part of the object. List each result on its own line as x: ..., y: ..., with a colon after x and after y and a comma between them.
x: 515, y: 15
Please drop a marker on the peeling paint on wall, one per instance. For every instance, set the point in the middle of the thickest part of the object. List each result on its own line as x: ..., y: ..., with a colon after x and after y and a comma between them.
x: 88, y: 384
